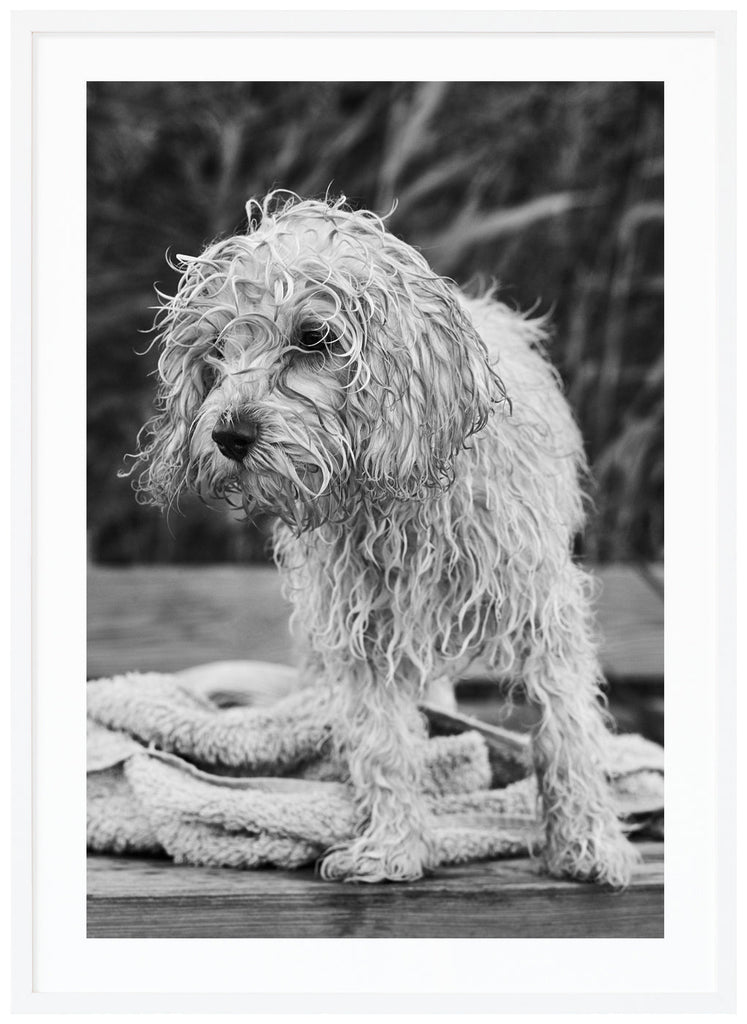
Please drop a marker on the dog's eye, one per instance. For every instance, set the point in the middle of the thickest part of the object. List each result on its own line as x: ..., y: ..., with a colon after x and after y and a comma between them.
x: 315, y: 339
x: 210, y: 376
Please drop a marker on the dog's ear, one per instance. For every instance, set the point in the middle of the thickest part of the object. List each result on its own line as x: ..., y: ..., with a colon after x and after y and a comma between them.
x: 162, y: 467
x: 430, y: 387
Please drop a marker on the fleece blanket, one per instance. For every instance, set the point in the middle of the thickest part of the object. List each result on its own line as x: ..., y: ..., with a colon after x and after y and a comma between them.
x: 233, y: 766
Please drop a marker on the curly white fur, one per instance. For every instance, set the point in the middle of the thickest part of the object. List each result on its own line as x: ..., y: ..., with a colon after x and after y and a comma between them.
x: 426, y: 506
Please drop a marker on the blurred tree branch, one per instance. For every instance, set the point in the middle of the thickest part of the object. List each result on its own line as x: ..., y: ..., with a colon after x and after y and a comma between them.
x: 341, y: 145
x: 434, y: 178
x: 478, y: 227
x: 409, y: 135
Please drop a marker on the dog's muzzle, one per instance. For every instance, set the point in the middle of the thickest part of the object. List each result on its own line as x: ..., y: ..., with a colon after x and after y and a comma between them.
x: 234, y: 439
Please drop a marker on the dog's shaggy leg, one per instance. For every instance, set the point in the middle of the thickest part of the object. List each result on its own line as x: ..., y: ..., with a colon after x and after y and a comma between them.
x: 383, y: 736
x: 585, y: 840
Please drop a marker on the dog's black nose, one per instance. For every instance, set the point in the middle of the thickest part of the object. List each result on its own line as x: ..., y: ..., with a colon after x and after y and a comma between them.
x: 235, y: 439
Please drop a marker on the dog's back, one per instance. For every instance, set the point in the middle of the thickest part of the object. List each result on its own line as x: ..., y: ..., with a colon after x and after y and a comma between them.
x: 534, y: 443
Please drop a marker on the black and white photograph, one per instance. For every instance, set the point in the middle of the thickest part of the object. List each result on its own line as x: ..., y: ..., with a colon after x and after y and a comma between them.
x: 375, y: 509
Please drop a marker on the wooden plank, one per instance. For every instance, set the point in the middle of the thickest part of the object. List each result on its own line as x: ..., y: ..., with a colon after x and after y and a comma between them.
x: 168, y: 618
x: 149, y: 898
x: 654, y: 572
x: 631, y: 624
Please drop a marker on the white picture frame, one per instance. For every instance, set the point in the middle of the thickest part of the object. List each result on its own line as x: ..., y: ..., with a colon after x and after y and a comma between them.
x: 55, y: 968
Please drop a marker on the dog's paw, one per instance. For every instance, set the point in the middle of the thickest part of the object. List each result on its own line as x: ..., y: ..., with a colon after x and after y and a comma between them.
x: 605, y: 857
x: 365, y: 860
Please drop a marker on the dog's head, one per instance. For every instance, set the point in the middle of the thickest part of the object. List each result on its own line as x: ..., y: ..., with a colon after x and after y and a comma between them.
x: 314, y: 363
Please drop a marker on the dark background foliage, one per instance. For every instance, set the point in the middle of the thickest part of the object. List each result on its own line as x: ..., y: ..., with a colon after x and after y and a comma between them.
x: 553, y: 189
